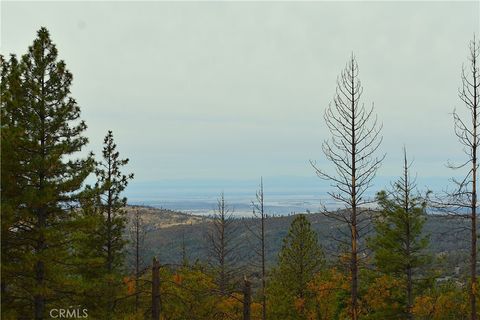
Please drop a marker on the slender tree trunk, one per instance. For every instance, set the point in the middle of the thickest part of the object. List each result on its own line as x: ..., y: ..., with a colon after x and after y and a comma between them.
x: 40, y: 279
x: 111, y: 298
x: 473, y: 259
x: 39, y: 299
x: 222, y: 249
x: 247, y: 298
x: 354, y: 267
x: 406, y: 208
x: 355, y: 139
x: 137, y: 259
x: 354, y: 257
x: 109, y: 220
x: 469, y: 137
x: 155, y: 290
x: 264, y: 297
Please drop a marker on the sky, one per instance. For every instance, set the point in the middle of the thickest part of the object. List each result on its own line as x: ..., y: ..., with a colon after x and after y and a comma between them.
x: 231, y: 91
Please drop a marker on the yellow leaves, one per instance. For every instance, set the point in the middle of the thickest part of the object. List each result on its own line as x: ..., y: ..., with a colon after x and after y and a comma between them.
x: 332, y: 280
x: 230, y: 306
x: 447, y: 303
x: 325, y: 289
x: 383, y: 292
x: 424, y: 305
x: 299, y: 305
x: 177, y: 278
x: 256, y: 310
x: 130, y: 283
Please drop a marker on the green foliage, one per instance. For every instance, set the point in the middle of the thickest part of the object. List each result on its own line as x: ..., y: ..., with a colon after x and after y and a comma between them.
x: 330, y: 295
x: 395, y: 228
x: 11, y: 181
x: 100, y: 237
x: 110, y: 185
x: 442, y: 302
x: 63, y: 244
x: 300, y: 259
x: 399, y: 245
x: 41, y: 179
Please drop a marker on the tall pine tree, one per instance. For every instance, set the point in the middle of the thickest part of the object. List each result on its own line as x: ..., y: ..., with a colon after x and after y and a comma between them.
x: 399, y: 245
x: 299, y: 260
x: 45, y: 123
x: 12, y: 184
x: 111, y: 182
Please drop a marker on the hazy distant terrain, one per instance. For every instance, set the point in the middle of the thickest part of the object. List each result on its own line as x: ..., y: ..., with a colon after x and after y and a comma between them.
x: 169, y: 231
x: 283, y: 194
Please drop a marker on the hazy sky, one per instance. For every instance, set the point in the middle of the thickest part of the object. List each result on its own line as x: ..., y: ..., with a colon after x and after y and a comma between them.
x: 236, y: 90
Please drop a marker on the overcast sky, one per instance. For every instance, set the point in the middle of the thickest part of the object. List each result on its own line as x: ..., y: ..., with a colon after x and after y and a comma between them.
x: 236, y: 90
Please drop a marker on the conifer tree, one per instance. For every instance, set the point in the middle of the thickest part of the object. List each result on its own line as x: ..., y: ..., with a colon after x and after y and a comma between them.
x: 12, y: 95
x: 399, y: 245
x: 462, y: 200
x: 111, y: 182
x: 352, y: 147
x: 138, y: 232
x: 258, y: 231
x: 49, y: 134
x: 100, y: 240
x: 299, y: 260
x: 221, y: 248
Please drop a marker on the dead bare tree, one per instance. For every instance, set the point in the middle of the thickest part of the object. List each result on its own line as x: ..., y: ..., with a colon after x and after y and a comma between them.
x: 247, y: 298
x: 352, y: 147
x: 222, y: 256
x: 138, y: 231
x: 462, y: 200
x: 258, y: 233
x: 156, y: 299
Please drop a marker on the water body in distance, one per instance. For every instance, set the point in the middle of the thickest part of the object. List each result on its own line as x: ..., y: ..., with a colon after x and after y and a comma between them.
x: 283, y: 195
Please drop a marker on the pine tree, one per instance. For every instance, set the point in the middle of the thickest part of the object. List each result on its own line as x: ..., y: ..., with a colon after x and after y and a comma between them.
x: 299, y: 260
x: 399, y: 245
x: 111, y: 182
x: 222, y: 255
x: 12, y: 184
x: 138, y: 231
x: 352, y: 147
x: 48, y: 135
x: 258, y: 231
x: 462, y: 200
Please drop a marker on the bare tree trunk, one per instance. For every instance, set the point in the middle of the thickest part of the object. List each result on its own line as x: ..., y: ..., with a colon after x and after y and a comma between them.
x: 466, y: 194
x: 40, y: 279
x: 155, y: 290
x: 473, y: 258
x: 223, y: 280
x: 355, y: 140
x: 354, y: 267
x: 137, y: 233
x: 221, y: 247
x: 109, y: 222
x: 247, y: 298
x: 259, y: 234
x: 137, y: 258
x: 262, y: 212
x: 407, y: 186
x: 354, y: 261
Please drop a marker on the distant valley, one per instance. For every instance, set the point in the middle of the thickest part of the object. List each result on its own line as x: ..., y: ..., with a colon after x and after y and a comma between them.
x: 170, y: 233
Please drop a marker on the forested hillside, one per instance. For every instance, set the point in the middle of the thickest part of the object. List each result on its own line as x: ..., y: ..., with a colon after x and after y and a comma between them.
x: 170, y: 232
x: 72, y: 248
